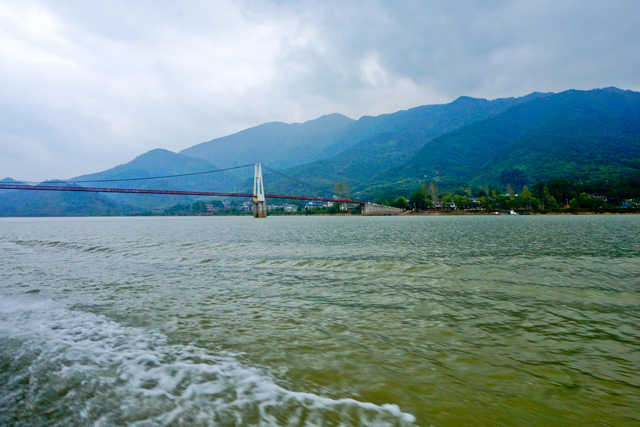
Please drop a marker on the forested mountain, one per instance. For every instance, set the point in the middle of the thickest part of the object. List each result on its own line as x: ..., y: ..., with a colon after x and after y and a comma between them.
x: 57, y: 203
x: 279, y: 145
x: 586, y: 136
x: 382, y: 142
x: 153, y: 163
x: 580, y: 135
x: 156, y: 162
x: 593, y: 136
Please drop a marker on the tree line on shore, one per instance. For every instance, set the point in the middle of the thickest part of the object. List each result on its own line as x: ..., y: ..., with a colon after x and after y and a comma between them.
x: 559, y: 195
x: 554, y: 195
x: 199, y: 207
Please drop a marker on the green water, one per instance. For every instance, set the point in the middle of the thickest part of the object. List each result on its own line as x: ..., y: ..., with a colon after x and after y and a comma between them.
x: 442, y: 321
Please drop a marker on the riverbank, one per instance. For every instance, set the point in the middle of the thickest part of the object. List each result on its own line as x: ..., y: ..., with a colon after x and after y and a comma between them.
x: 561, y: 212
x: 298, y: 214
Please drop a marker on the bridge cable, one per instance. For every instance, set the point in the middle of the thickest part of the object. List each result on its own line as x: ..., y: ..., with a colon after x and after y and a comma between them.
x: 323, y: 190
x: 161, y: 177
x: 313, y: 187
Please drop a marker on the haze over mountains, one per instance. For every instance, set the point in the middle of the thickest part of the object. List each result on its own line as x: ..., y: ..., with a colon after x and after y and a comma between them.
x: 579, y: 135
x: 153, y: 163
x: 276, y: 144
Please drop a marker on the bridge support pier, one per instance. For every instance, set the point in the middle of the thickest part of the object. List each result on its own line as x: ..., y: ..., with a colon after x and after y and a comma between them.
x: 259, y: 209
x: 374, y: 209
x: 259, y: 202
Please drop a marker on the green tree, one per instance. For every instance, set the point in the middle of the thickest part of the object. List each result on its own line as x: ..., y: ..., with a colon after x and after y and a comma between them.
x: 400, y: 202
x: 550, y: 200
x: 563, y: 189
x: 461, y: 202
x: 538, y: 190
x: 485, y: 203
x: 509, y: 192
x: 590, y: 202
x: 334, y: 209
x: 447, y: 200
x: 527, y: 199
x: 198, y: 207
x: 420, y: 197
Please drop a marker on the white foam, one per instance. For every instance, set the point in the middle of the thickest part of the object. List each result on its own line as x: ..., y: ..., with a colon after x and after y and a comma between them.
x: 110, y: 374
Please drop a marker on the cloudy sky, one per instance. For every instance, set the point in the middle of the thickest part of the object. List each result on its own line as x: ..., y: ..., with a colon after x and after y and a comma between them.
x: 86, y: 85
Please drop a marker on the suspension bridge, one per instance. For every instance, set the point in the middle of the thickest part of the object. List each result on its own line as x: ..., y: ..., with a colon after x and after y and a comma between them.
x: 201, y: 184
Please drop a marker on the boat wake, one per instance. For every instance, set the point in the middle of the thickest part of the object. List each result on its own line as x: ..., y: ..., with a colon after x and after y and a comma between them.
x: 68, y: 367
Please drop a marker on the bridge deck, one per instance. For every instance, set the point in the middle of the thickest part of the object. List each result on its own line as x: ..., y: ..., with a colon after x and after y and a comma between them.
x: 44, y: 187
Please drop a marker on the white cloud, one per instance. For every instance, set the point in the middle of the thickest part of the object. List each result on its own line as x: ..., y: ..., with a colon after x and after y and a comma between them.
x: 87, y: 85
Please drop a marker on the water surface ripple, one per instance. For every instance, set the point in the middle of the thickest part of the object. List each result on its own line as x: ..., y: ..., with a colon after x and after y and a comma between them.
x: 338, y: 321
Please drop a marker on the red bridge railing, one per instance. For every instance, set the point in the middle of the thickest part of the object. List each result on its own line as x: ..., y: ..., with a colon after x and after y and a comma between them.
x: 41, y: 187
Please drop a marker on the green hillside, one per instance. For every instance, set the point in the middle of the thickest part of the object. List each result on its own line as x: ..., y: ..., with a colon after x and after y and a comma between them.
x: 593, y: 136
x: 57, y: 203
x: 380, y: 143
x: 580, y: 135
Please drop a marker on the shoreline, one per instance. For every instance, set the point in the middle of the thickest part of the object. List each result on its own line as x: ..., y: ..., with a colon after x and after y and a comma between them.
x: 409, y: 213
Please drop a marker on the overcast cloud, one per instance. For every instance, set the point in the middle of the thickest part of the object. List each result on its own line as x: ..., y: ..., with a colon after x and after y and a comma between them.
x: 87, y: 85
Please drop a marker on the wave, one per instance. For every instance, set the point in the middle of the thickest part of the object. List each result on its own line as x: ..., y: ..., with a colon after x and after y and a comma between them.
x: 67, y: 367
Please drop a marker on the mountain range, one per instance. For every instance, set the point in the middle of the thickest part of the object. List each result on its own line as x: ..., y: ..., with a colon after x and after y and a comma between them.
x: 578, y: 135
x: 279, y: 145
x: 57, y: 203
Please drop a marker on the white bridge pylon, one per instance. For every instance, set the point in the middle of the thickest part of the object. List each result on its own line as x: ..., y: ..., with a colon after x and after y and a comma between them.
x: 259, y: 203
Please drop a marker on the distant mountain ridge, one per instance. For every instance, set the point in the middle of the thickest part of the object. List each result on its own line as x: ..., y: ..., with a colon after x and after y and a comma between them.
x: 382, y: 142
x: 277, y: 144
x: 157, y: 162
x: 594, y: 135
x: 578, y: 135
x: 15, y: 203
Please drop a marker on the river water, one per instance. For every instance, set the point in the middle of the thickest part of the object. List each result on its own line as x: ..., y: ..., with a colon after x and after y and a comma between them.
x: 386, y: 321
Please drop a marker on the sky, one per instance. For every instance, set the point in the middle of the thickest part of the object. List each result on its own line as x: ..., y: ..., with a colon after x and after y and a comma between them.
x: 87, y: 85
